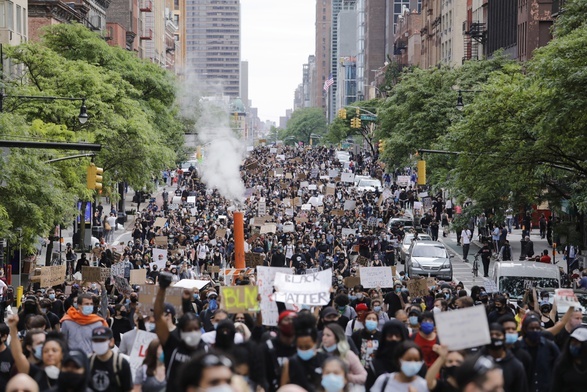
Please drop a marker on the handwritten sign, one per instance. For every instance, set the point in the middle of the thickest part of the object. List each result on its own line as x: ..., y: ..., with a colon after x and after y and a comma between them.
x: 376, y: 277
x: 138, y: 276
x: 237, y: 299
x: 463, y: 328
x: 347, y: 231
x: 160, y: 222
x: 265, y: 279
x: 161, y: 241
x: 310, y: 289
x: 261, y: 209
x: 147, y: 293
x: 349, y: 205
x: 95, y: 274
x: 417, y: 287
x: 352, y: 281
x: 565, y: 298
x: 139, y: 349
x: 254, y: 259
x: 117, y: 270
x: 268, y: 228
x: 52, y: 276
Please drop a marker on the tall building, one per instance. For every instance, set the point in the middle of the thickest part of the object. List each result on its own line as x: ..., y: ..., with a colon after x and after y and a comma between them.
x: 244, y: 84
x: 346, y: 93
x: 502, y: 28
x: 451, y: 37
x: 322, y: 55
x: 212, y: 43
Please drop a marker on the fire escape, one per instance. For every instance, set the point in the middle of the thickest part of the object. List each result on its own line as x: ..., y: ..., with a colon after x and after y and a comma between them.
x: 473, y: 36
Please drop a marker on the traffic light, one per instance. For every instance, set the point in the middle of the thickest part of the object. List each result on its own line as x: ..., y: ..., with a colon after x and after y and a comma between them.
x: 94, y: 177
x: 381, y: 146
x: 357, y: 122
x: 342, y: 113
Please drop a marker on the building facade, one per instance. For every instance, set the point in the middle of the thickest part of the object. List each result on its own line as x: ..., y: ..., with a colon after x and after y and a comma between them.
x: 322, y: 55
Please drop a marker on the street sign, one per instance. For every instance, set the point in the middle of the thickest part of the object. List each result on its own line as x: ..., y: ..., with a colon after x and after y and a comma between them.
x: 367, y: 117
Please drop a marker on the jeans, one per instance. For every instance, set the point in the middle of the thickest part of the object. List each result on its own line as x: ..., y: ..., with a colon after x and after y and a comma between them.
x: 465, y: 251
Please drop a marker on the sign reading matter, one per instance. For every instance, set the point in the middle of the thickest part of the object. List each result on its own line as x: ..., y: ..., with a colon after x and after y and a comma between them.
x: 239, y: 299
x: 376, y: 277
x: 310, y: 289
x: 463, y: 328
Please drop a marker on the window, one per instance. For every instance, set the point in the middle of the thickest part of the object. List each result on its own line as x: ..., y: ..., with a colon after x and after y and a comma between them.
x: 19, y: 19
x: 10, y: 15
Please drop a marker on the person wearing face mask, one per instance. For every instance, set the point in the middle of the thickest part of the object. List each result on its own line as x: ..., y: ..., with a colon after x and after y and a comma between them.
x: 413, y: 317
x: 56, y: 303
x: 542, y: 351
x: 395, y: 300
x: 127, y: 340
x: 361, y: 298
x: 73, y: 376
x: 305, y: 367
x: 571, y: 367
x: 6, y: 359
x: 446, y: 366
x: 275, y: 351
x: 356, y: 324
x: 335, y: 343
x: 335, y: 375
x: 50, y: 354
x: 514, y: 375
x: 341, y: 303
x: 409, y: 362
x: 30, y: 308
x: 108, y: 371
x: 367, y: 339
x: 574, y: 321
x: 426, y: 337
x: 207, y: 372
x: 381, y: 315
x: 46, y: 308
x: 500, y: 309
x: 78, y: 323
x: 181, y: 343
x: 150, y: 377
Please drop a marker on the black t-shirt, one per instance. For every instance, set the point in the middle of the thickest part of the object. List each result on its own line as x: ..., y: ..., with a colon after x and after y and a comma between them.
x: 176, y: 353
x: 6, y: 362
x: 443, y: 386
x: 103, y: 378
x: 53, y: 319
x: 38, y: 374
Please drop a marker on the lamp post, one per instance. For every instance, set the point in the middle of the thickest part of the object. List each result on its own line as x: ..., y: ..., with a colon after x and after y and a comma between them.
x: 83, y: 111
x: 460, y: 104
x: 19, y: 229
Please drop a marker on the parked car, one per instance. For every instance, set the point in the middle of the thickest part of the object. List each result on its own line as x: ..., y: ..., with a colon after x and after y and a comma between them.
x: 405, y: 246
x: 429, y: 258
x: 369, y: 185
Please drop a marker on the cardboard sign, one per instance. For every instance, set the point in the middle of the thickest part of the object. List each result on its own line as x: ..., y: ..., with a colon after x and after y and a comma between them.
x: 138, y: 276
x: 301, y: 219
x: 147, y: 293
x: 352, y: 281
x: 310, y: 289
x: 268, y: 228
x: 239, y: 299
x: 122, y: 285
x: 265, y: 280
x: 349, y: 205
x: 417, y: 287
x: 160, y: 222
x: 347, y: 231
x: 463, y: 328
x: 376, y: 277
x: 139, y: 349
x: 52, y: 276
x: 117, y: 270
x: 565, y: 298
x: 254, y: 259
x: 288, y: 176
x: 430, y: 282
x: 220, y: 233
x: 160, y: 241
x: 95, y: 274
x: 337, y: 212
x: 362, y: 260
x: 330, y: 189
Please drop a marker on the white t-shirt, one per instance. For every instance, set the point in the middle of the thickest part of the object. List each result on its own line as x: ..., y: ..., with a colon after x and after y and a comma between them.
x: 466, y: 236
x: 393, y: 385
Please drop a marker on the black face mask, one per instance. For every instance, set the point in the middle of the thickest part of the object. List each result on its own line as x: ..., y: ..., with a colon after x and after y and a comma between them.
x: 496, y: 344
x: 449, y: 371
x: 73, y: 381
x: 30, y: 308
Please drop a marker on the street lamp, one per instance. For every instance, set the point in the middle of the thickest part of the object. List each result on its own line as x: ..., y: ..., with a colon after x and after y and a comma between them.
x: 83, y: 111
x: 19, y: 255
x: 460, y: 103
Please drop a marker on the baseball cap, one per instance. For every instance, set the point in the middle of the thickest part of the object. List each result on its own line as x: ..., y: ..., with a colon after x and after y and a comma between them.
x: 414, y: 312
x: 101, y: 333
x: 79, y: 358
x: 329, y: 311
x: 580, y: 333
x: 285, y: 314
x: 168, y: 309
x: 361, y: 307
x: 211, y: 294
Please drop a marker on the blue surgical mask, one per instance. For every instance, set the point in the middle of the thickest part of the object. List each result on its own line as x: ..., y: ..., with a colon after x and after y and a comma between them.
x: 377, y: 309
x: 371, y: 325
x: 413, y: 320
x: 196, y: 296
x: 161, y: 357
x: 38, y: 353
x: 427, y: 327
x: 87, y: 310
x: 411, y: 368
x: 306, y: 355
x: 352, y: 297
x: 331, y: 348
x: 332, y: 382
x: 511, y: 338
x: 51, y: 297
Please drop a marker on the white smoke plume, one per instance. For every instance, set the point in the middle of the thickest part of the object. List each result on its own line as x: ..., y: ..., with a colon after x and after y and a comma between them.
x: 221, y: 146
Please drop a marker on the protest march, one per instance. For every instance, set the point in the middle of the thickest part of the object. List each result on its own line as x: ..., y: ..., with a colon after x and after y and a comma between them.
x: 300, y: 285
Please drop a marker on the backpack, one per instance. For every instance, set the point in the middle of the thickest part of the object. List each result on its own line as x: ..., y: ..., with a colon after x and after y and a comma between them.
x: 116, y: 364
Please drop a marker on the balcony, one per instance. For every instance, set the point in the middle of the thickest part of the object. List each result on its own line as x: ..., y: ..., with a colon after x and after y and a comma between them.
x: 147, y: 35
x: 146, y: 6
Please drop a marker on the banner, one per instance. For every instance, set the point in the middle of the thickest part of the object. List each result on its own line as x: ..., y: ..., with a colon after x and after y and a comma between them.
x: 265, y: 279
x: 463, y: 328
x: 139, y: 349
x: 376, y: 277
x: 310, y: 289
x: 239, y: 299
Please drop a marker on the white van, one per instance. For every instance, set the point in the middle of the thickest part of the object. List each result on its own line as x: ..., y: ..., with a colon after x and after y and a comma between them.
x: 514, y: 277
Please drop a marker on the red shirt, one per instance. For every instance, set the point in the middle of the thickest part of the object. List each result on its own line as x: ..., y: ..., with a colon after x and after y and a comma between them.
x: 429, y: 356
x: 545, y: 259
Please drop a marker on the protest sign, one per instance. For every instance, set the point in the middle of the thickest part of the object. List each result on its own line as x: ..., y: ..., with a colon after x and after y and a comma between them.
x: 138, y: 276
x: 349, y: 205
x: 191, y: 284
x: 117, y: 270
x: 273, y: 150
x: 122, y: 285
x: 161, y: 241
x: 268, y: 228
x: 288, y: 176
x: 288, y: 227
x: 159, y: 261
x: 347, y: 177
x: 301, y: 219
x: 352, y: 281
x: 463, y: 328
x: 330, y: 189
x: 310, y: 289
x: 315, y: 201
x: 265, y: 279
x: 348, y: 231
x: 220, y: 233
x: 332, y: 173
x: 337, y: 212
x: 565, y: 298
x: 289, y: 211
x: 306, y: 207
x: 239, y: 299
x: 312, y: 187
x: 139, y: 349
x: 147, y: 293
x: 417, y: 287
x: 94, y: 274
x: 191, y: 199
x: 160, y: 222
x: 261, y: 209
x: 372, y: 221
x: 430, y: 282
x: 376, y: 277
x: 52, y: 276
x: 403, y: 181
x: 362, y: 260
x: 254, y: 259
x: 304, y: 184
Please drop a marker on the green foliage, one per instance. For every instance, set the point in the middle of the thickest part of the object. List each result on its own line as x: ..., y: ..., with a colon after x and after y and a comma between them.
x: 573, y: 16
x: 306, y: 121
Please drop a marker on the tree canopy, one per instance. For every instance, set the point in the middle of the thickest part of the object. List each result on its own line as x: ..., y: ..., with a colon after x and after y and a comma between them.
x: 305, y: 122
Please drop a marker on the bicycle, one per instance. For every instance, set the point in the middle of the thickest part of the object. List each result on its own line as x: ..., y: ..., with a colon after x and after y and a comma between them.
x: 476, y: 266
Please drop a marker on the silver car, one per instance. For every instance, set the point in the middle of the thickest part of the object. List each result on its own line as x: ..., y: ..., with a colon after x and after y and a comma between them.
x: 429, y: 258
x: 404, y: 249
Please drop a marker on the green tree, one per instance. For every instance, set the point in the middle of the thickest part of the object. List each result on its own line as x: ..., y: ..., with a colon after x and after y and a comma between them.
x: 305, y: 122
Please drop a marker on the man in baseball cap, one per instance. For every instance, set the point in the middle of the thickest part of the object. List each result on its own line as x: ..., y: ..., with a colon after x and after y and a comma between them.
x: 109, y: 371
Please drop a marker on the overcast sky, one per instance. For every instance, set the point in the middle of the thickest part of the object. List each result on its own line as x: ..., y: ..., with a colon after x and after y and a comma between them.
x: 277, y: 37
